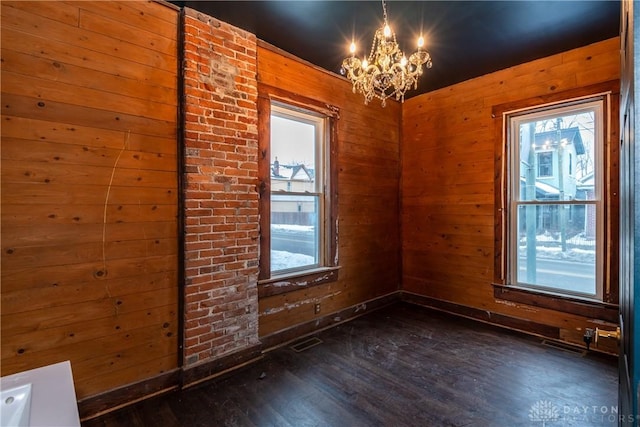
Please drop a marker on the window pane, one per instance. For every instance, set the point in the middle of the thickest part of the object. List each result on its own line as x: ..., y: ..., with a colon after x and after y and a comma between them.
x: 293, y: 155
x: 295, y: 232
x: 557, y: 247
x: 556, y: 157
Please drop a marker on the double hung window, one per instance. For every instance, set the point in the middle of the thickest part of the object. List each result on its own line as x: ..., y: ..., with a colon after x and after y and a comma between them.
x: 297, y: 166
x: 555, y: 210
x: 298, y: 197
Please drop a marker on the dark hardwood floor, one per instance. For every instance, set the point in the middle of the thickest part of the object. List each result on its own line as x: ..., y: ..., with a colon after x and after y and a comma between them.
x: 402, y: 365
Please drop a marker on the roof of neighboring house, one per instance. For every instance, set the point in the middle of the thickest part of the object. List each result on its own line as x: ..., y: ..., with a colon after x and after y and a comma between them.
x: 543, y: 191
x: 587, y: 181
x: 291, y: 173
x: 572, y: 135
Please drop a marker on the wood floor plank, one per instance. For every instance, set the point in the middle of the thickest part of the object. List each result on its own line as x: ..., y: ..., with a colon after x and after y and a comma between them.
x: 402, y: 365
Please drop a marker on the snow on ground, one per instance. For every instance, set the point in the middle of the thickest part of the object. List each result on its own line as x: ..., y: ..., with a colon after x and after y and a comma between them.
x: 577, y: 255
x: 548, y: 246
x: 578, y: 239
x: 290, y: 228
x: 281, y: 260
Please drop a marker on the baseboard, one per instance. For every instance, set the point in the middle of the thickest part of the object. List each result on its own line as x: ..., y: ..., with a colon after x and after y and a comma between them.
x: 208, y: 370
x: 286, y: 336
x: 516, y: 325
x: 94, y: 406
x: 485, y: 316
x: 189, y: 376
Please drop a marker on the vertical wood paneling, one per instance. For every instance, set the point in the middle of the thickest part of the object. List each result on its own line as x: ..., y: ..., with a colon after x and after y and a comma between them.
x: 368, y: 182
x: 448, y: 174
x: 89, y: 190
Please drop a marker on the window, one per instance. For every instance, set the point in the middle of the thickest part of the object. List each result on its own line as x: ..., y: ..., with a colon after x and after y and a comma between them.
x: 570, y: 164
x: 298, y: 197
x: 545, y: 164
x: 555, y: 215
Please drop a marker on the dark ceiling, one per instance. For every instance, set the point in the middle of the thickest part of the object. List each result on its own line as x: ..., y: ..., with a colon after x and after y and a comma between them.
x: 466, y: 39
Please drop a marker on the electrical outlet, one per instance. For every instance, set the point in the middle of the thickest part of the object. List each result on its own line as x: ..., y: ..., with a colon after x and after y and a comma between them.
x: 316, y: 308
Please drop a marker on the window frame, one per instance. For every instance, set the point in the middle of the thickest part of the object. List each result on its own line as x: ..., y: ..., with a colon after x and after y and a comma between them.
x: 607, y: 309
x: 597, y: 104
x: 290, y: 280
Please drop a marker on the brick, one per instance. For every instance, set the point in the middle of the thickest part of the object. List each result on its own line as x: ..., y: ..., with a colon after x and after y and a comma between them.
x: 196, y: 297
x: 210, y: 336
x: 198, y: 348
x: 198, y: 229
x: 197, y: 281
x: 212, y: 220
x: 212, y: 319
x: 212, y: 302
x: 236, y: 125
x: 193, y: 313
x: 196, y: 264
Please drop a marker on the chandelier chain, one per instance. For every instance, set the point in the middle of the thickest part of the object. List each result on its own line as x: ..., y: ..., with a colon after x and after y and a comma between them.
x: 384, y: 12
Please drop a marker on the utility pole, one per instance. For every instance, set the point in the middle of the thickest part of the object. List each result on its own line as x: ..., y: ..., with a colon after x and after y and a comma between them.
x: 562, y: 214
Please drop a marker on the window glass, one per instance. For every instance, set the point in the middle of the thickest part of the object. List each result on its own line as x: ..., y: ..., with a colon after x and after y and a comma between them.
x: 293, y: 153
x: 542, y: 261
x: 297, y: 200
x: 295, y: 231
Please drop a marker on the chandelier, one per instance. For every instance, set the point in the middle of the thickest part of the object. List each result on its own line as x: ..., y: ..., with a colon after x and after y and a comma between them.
x: 386, y: 72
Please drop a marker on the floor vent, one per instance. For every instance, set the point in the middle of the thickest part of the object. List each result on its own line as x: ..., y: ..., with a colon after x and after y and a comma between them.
x: 566, y: 347
x: 306, y: 344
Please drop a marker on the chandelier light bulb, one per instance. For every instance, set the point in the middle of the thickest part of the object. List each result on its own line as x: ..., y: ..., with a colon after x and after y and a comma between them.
x: 387, y: 31
x: 420, y: 42
x: 352, y: 48
x: 365, y: 63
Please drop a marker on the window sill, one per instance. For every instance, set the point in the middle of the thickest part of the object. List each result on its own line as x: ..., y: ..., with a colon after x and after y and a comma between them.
x: 295, y: 281
x: 581, y: 307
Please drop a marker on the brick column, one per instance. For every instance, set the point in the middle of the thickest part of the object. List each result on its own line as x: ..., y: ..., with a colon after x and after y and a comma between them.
x: 221, y: 202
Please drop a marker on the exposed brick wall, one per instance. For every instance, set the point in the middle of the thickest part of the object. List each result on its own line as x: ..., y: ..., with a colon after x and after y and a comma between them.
x: 221, y: 202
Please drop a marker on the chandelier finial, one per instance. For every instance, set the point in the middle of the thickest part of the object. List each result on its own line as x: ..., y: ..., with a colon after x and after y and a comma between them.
x: 386, y: 71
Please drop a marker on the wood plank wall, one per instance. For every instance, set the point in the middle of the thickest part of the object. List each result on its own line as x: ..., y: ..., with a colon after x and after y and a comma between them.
x: 448, y: 179
x: 368, y: 207
x: 89, y: 190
